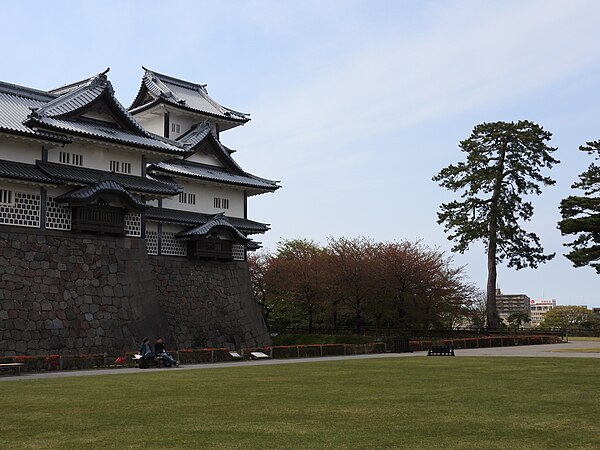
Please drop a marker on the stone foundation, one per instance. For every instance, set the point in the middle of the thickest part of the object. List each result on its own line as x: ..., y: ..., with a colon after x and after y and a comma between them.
x: 209, y: 304
x: 67, y: 293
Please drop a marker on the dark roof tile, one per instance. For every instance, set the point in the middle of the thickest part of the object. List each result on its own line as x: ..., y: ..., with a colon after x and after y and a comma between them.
x: 82, y: 175
x: 192, y: 218
x: 25, y: 172
x: 183, y: 94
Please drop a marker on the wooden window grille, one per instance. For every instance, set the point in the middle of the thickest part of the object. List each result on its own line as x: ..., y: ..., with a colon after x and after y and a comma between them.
x: 221, y: 203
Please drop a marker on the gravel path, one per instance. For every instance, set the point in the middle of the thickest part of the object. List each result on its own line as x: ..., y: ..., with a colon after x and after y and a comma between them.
x: 550, y: 350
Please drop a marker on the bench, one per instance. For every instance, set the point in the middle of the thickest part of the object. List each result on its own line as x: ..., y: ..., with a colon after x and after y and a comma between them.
x: 259, y: 355
x: 441, y: 350
x: 137, y: 359
x: 15, y: 367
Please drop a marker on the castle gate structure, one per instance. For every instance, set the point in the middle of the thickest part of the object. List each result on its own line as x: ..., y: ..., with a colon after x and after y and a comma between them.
x: 119, y: 223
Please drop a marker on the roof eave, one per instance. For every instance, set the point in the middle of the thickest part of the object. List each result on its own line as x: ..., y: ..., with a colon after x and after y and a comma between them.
x: 105, y: 139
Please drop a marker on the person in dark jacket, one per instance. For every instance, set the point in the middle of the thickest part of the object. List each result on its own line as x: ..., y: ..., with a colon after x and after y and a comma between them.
x: 161, y: 351
x: 146, y: 352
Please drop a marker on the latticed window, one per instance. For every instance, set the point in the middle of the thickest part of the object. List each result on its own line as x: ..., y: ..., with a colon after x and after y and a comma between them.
x: 152, y: 242
x: 133, y: 224
x: 188, y: 198
x: 6, y: 197
x: 238, y: 253
x: 19, y: 208
x: 171, y: 246
x: 221, y: 203
x: 58, y: 217
x: 70, y: 158
x: 120, y: 166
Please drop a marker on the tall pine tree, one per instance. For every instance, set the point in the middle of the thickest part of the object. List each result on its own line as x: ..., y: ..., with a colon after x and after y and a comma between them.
x: 504, y: 162
x: 581, y: 214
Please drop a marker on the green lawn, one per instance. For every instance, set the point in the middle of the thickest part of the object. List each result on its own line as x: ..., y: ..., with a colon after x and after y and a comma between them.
x: 578, y: 350
x: 584, y: 339
x: 412, y: 403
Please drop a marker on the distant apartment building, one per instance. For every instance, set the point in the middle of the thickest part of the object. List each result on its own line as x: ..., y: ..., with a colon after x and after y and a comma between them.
x: 538, y: 309
x: 507, y: 304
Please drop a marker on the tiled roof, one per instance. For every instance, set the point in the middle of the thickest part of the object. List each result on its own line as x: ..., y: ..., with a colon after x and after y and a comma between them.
x: 22, y: 171
x: 105, y: 185
x: 57, y: 115
x: 49, y: 116
x: 231, y: 174
x: 199, y: 171
x: 183, y: 94
x: 16, y: 103
x: 94, y: 130
x: 203, y: 131
x: 217, y: 221
x: 82, y: 175
x: 191, y: 218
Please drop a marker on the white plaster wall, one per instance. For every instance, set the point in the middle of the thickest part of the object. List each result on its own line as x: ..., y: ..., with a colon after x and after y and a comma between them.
x: 172, y: 228
x: 205, y: 195
x: 185, y: 123
x: 20, y: 152
x: 154, y: 123
x: 205, y: 158
x: 96, y: 157
x: 20, y: 187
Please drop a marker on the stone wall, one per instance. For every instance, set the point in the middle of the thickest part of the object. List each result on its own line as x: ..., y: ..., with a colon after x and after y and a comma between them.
x: 66, y: 293
x: 209, y: 304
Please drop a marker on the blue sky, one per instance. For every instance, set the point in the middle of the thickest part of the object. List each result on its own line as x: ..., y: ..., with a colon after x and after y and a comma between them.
x: 355, y: 104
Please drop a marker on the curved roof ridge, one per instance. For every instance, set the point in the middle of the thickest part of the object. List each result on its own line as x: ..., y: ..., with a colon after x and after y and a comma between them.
x: 71, y: 100
x: 81, y: 96
x: 104, y: 184
x: 191, y: 169
x: 177, y: 81
x: 76, y: 84
x: 27, y: 92
x: 184, y: 94
x: 199, y: 133
x: 217, y: 220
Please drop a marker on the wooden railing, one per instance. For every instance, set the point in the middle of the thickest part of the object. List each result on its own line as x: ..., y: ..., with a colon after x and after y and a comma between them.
x: 99, y: 219
x: 210, y: 249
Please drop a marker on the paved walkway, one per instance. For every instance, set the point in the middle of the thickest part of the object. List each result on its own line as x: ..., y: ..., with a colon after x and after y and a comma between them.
x: 564, y: 350
x: 550, y: 350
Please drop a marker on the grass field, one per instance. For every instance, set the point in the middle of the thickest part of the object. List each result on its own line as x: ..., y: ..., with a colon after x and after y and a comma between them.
x: 412, y: 403
x: 578, y: 350
x: 584, y: 339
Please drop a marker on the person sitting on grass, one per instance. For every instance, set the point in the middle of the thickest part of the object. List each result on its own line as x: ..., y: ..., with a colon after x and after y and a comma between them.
x: 146, y: 352
x: 161, y: 351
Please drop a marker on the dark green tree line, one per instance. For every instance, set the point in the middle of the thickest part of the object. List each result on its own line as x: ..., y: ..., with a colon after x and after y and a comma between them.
x: 581, y: 214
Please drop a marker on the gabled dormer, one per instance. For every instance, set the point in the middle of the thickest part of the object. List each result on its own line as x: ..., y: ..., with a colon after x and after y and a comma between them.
x: 203, y: 146
x: 89, y: 109
x: 173, y: 106
x: 210, y: 162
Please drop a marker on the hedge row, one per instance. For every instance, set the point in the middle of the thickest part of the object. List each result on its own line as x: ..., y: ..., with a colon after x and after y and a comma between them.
x: 484, y: 342
x: 43, y: 363
x: 210, y: 355
x: 317, y: 350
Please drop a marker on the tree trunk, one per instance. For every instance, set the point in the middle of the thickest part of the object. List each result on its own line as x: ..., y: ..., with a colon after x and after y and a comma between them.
x: 492, y: 313
x: 358, y: 315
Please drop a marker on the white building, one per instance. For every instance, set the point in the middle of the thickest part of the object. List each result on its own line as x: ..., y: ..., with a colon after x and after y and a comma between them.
x: 538, y: 309
x: 75, y: 159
